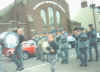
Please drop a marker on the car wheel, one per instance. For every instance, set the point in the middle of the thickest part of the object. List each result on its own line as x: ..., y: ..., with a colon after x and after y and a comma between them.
x: 25, y: 55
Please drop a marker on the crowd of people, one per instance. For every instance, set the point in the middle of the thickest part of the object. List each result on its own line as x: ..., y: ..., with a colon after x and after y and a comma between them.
x: 54, y: 47
x: 85, y: 42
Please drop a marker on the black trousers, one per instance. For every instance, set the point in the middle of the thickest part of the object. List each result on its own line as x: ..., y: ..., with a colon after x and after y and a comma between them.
x: 93, y: 46
x: 83, y: 56
x: 18, y: 56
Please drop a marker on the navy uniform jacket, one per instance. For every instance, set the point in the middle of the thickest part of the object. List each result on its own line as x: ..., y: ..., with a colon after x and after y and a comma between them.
x: 83, y: 40
x: 64, y: 38
x: 21, y: 38
x: 54, y: 46
x: 92, y: 36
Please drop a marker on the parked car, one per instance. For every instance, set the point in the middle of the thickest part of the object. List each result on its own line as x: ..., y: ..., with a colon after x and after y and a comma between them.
x: 28, y: 49
x: 71, y: 41
x: 98, y: 37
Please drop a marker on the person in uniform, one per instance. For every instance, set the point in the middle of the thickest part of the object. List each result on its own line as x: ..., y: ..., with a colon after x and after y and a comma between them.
x: 57, y: 40
x: 1, y: 62
x: 52, y: 52
x: 92, y: 42
x: 18, y: 54
x: 83, y: 45
x: 75, y: 35
x: 37, y: 39
x: 64, y: 47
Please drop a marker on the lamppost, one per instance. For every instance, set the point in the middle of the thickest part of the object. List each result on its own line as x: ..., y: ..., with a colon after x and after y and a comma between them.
x: 93, y: 13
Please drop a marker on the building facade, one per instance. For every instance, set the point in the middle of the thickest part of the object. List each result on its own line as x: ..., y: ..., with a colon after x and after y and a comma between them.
x: 40, y: 16
x: 88, y: 14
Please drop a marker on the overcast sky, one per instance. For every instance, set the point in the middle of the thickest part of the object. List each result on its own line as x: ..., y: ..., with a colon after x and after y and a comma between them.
x: 5, y: 3
x: 74, y: 5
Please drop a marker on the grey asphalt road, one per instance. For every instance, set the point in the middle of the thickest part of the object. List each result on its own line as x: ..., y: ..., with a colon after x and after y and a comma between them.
x: 32, y: 65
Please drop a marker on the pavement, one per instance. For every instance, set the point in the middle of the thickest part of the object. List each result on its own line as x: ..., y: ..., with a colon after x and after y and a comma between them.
x: 32, y: 65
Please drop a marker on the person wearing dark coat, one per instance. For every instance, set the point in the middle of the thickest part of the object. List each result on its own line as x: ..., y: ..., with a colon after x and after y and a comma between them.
x: 92, y: 43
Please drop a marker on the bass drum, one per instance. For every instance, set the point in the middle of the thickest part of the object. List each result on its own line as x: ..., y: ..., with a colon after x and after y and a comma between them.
x: 9, y: 39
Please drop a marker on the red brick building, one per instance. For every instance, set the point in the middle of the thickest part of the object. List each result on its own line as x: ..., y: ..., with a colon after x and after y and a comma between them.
x: 39, y: 16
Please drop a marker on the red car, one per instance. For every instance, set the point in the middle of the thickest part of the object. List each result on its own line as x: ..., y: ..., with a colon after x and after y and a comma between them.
x: 28, y: 48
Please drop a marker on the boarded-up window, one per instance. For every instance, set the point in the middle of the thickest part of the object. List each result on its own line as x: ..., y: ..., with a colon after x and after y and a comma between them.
x: 58, y: 18
x: 51, y: 15
x: 43, y: 16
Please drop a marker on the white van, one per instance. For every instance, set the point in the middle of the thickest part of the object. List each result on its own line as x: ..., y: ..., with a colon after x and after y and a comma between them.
x: 98, y: 37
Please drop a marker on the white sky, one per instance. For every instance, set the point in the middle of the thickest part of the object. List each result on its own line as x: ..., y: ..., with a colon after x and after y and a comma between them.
x: 74, y: 5
x: 5, y: 3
